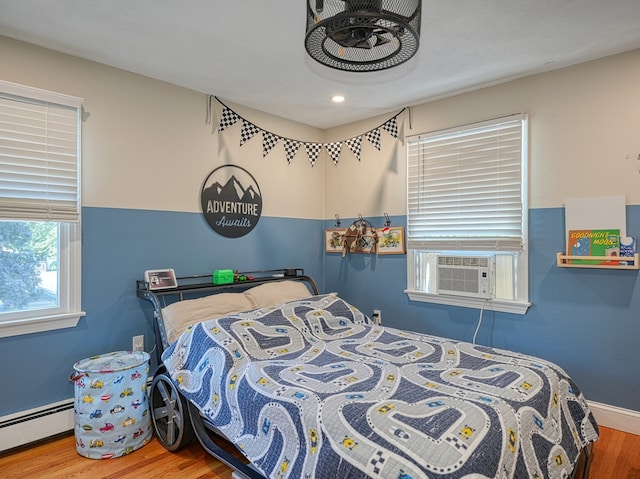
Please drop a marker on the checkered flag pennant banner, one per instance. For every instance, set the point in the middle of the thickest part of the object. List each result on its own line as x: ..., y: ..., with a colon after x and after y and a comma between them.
x: 334, y: 149
x: 291, y: 147
x: 391, y: 127
x: 248, y: 131
x: 229, y: 118
x: 374, y: 137
x: 312, y: 151
x: 269, y: 140
x: 355, y: 145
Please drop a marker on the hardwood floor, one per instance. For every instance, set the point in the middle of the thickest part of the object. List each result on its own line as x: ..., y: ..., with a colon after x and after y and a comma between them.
x: 615, y: 456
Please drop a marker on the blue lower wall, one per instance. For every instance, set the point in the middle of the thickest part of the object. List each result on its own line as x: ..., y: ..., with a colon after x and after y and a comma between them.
x: 118, y: 245
x: 585, y: 320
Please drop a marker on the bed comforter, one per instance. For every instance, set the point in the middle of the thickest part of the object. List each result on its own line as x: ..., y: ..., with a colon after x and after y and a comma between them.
x: 313, y: 389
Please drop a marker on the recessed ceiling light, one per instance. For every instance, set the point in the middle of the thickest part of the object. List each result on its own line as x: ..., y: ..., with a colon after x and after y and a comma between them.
x: 337, y: 98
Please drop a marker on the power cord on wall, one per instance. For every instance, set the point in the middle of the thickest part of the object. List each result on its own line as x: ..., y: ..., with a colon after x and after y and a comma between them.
x: 479, y: 321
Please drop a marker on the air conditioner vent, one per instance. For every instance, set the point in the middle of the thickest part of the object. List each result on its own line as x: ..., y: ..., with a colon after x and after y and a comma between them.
x: 467, y: 261
x: 466, y: 275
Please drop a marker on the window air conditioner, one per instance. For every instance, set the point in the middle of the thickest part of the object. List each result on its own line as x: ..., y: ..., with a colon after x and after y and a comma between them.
x: 472, y: 276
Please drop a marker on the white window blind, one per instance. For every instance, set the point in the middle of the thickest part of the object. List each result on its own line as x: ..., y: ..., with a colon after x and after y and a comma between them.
x: 465, y: 187
x: 39, y: 153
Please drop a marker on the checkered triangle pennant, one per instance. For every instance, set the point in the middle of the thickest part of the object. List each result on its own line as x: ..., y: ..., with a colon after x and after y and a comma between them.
x: 312, y: 151
x: 355, y: 145
x: 374, y: 137
x: 291, y: 147
x: 248, y: 131
x: 391, y: 127
x: 269, y: 140
x: 334, y: 149
x: 229, y: 118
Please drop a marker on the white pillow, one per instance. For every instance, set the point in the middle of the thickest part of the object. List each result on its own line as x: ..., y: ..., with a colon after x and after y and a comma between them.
x: 272, y: 294
x: 182, y: 314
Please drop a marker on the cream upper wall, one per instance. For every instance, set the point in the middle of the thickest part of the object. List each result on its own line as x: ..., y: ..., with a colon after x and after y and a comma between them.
x: 584, y: 138
x: 146, y: 144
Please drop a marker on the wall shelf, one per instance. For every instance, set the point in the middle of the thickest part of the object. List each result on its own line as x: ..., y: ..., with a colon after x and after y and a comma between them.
x: 564, y: 261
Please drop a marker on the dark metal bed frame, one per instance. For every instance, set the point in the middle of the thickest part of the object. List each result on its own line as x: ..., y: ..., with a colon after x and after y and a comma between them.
x: 177, y: 420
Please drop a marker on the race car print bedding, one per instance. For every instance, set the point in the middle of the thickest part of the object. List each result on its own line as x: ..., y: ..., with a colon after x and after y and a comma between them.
x: 313, y: 389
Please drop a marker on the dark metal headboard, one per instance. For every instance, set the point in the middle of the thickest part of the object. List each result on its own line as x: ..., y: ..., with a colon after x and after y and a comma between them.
x: 195, y: 286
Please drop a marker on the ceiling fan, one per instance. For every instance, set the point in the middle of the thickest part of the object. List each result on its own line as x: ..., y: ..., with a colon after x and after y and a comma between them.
x: 362, y: 35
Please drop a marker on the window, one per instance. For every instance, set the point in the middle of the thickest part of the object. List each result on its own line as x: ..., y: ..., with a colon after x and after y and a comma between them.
x: 467, y: 216
x: 39, y: 210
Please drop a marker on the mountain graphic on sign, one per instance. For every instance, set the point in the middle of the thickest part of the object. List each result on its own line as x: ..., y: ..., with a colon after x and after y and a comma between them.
x: 232, y: 190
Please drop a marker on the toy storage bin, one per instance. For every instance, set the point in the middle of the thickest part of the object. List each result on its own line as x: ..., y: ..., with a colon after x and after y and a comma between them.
x: 112, y: 415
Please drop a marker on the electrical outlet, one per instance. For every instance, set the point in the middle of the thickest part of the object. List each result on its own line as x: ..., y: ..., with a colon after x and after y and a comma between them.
x: 377, y: 316
x: 138, y: 343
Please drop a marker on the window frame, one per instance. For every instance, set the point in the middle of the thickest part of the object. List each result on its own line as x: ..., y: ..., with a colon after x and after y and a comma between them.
x: 68, y: 312
x: 520, y: 303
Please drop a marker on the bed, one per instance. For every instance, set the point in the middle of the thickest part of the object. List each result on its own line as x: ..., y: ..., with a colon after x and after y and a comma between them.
x: 307, y: 386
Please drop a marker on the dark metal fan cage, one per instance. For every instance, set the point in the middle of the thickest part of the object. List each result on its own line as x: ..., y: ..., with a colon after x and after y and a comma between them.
x: 362, y: 35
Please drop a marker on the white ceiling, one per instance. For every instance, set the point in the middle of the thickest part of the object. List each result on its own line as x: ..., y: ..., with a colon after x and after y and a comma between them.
x: 252, y: 52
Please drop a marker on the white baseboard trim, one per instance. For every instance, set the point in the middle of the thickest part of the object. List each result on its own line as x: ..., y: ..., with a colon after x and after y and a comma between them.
x: 615, y: 417
x: 39, y: 423
x: 35, y: 424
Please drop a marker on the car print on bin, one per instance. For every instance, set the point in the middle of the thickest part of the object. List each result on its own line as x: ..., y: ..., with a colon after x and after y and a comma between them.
x: 96, y: 384
x: 96, y: 414
x: 107, y: 427
x: 128, y: 422
x: 117, y: 409
x: 126, y: 392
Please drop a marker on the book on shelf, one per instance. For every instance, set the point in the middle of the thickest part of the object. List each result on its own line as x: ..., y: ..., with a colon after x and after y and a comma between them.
x: 594, y: 243
x: 627, y: 249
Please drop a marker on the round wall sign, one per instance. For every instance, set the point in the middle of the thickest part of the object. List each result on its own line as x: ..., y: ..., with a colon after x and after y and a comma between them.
x: 231, y: 201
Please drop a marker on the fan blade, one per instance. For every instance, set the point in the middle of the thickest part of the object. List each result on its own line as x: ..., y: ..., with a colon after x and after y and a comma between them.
x: 365, y: 44
x: 380, y: 40
x: 352, y: 37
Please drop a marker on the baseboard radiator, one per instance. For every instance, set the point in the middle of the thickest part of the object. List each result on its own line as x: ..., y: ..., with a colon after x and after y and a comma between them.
x: 33, y: 425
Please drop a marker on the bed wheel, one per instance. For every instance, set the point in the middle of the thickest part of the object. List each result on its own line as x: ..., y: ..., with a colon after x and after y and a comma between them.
x: 170, y: 414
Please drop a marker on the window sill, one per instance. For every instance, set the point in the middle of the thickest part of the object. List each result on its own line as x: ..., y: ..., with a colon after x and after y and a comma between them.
x: 502, y: 305
x: 36, y: 325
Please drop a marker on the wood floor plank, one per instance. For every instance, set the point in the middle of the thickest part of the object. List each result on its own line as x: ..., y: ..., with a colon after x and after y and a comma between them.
x: 616, y: 455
